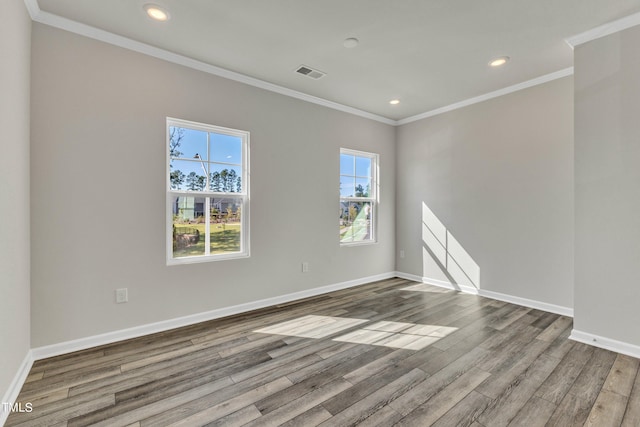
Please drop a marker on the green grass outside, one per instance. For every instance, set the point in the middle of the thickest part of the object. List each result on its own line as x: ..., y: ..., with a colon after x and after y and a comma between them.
x: 225, y: 238
x: 357, y: 231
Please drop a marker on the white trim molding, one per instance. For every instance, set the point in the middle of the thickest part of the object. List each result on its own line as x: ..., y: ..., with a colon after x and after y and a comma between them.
x: 46, y: 18
x: 62, y: 23
x: 138, y: 331
x: 539, y: 305
x: 604, y: 30
x: 487, y: 96
x: 33, y: 8
x: 56, y: 21
x: 605, y: 343
x: 16, y: 385
x: 408, y: 276
x: 438, y: 283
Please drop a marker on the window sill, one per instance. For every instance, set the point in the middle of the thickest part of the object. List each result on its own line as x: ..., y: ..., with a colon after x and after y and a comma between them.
x: 203, y: 258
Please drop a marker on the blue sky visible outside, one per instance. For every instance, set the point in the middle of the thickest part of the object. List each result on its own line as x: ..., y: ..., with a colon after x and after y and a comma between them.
x: 354, y: 171
x: 224, y: 152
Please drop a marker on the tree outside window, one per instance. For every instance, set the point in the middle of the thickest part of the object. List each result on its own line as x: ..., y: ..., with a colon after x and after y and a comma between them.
x: 358, y: 196
x: 207, y: 192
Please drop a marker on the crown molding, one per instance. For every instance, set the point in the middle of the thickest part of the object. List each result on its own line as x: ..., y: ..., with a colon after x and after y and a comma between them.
x: 604, y: 30
x: 46, y: 18
x: 507, y: 90
x: 56, y: 21
x: 33, y: 8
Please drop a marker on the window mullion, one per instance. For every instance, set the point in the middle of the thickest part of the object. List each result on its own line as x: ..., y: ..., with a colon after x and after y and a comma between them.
x: 207, y: 178
x: 185, y: 207
x: 360, y: 229
x: 207, y: 225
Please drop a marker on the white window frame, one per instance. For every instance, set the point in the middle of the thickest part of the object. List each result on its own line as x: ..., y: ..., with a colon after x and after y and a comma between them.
x: 242, y: 196
x: 373, y: 197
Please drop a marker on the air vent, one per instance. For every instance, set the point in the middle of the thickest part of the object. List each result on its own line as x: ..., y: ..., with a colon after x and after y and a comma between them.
x: 310, y: 72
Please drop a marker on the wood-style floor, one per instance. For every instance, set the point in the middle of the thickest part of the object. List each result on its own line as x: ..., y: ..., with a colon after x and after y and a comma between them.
x: 388, y: 353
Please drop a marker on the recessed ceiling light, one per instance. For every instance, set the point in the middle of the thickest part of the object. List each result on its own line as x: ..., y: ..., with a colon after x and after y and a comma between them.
x: 156, y: 12
x: 499, y: 61
x: 351, y: 42
x: 394, y: 102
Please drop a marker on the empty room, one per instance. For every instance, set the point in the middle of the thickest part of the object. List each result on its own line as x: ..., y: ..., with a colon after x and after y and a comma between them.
x: 333, y: 213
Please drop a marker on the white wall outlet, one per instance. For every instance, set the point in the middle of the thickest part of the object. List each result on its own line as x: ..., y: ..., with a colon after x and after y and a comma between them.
x: 401, y: 253
x: 305, y: 267
x: 122, y: 295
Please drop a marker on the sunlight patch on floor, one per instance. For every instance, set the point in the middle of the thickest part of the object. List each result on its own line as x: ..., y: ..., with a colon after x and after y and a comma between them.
x: 312, y: 326
x: 424, y: 287
x: 410, y: 336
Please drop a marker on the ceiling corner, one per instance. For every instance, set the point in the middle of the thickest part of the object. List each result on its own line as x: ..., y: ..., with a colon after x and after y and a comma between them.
x: 33, y: 8
x: 604, y: 30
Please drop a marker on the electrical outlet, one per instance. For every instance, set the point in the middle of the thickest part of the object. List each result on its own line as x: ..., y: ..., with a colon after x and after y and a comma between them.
x: 305, y: 267
x: 401, y: 253
x: 122, y: 295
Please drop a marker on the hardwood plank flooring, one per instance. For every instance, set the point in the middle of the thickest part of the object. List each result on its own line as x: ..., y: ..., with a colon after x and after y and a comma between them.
x: 387, y: 353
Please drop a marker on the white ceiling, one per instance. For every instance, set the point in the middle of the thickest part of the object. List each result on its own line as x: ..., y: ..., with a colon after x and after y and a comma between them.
x: 427, y: 53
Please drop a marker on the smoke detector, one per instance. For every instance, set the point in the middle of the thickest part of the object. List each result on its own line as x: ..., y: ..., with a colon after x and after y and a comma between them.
x: 310, y: 72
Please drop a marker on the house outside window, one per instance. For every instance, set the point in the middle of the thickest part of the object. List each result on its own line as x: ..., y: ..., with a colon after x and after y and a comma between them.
x: 358, y: 197
x: 207, y: 192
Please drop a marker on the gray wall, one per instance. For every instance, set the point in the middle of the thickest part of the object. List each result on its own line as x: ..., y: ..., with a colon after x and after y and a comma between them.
x: 498, y: 176
x: 98, y: 190
x: 607, y: 186
x: 15, y: 39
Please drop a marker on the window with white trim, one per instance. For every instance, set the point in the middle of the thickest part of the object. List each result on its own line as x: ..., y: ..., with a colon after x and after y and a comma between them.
x: 358, y: 196
x: 207, y: 192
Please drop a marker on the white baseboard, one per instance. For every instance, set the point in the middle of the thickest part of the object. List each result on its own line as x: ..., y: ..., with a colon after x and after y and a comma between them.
x: 539, y: 305
x: 439, y: 283
x: 138, y: 331
x: 16, y: 385
x: 606, y: 343
x: 408, y: 276
x: 552, y: 308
